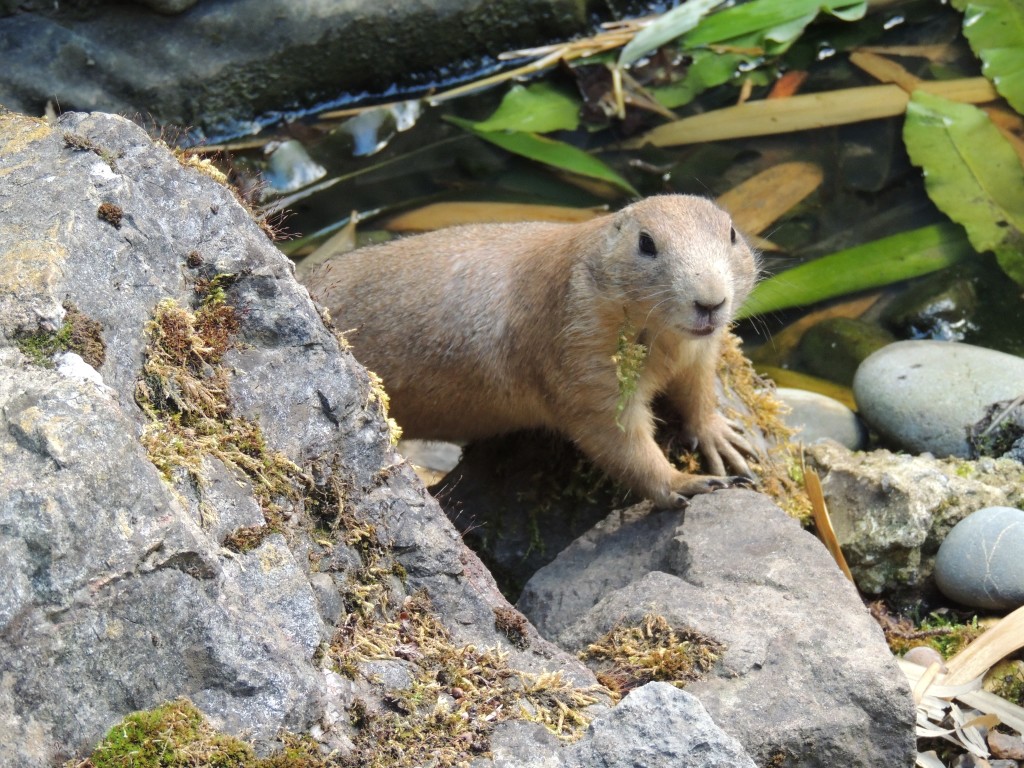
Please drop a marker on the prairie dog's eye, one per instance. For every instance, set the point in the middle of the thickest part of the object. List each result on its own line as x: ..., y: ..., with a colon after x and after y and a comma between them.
x: 732, y: 235
x: 647, y: 246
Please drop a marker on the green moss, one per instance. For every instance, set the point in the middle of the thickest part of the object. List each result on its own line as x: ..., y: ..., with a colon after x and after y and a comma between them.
x: 174, y: 735
x: 946, y: 633
x: 79, y: 334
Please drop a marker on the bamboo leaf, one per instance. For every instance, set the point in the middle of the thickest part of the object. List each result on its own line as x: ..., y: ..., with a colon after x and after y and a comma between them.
x: 971, y: 173
x: 995, y: 30
x: 450, y: 214
x: 889, y: 260
x: 798, y: 113
x: 538, y: 108
x: 668, y: 27
x: 557, y: 154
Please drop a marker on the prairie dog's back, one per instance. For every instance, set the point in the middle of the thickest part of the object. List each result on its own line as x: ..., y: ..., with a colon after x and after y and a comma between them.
x: 446, y: 316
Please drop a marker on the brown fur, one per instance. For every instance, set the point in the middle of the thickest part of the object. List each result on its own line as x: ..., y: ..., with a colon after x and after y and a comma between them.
x: 486, y: 329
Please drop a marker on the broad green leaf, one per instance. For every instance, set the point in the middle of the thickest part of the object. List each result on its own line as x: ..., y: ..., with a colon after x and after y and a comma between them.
x: 557, y: 154
x: 995, y: 30
x: 770, y: 24
x: 707, y: 70
x: 885, y: 261
x: 668, y: 27
x: 538, y: 108
x: 971, y: 173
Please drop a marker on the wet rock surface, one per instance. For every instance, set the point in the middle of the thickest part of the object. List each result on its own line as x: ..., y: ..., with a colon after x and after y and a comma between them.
x: 235, y: 60
x: 979, y: 563
x: 735, y: 568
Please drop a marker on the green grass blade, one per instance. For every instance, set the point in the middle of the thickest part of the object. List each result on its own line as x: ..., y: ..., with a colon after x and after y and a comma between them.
x: 874, y: 264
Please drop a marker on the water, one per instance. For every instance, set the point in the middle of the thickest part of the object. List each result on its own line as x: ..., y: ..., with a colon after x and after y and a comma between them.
x: 399, y: 157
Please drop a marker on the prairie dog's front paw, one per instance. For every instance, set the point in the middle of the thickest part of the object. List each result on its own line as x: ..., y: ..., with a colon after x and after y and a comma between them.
x: 720, y: 445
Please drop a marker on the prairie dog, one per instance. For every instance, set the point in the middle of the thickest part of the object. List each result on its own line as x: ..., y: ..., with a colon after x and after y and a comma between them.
x: 486, y: 329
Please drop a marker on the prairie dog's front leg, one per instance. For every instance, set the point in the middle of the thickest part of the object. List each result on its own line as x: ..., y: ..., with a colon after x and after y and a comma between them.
x: 631, y: 455
x: 692, y: 393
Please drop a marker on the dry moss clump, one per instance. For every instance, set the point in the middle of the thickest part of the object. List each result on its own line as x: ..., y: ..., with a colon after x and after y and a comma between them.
x: 628, y: 657
x: 781, y: 469
x: 184, y: 391
x: 456, y: 693
x: 456, y: 696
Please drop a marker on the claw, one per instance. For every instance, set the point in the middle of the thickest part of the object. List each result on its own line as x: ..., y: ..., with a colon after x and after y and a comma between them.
x: 740, y: 481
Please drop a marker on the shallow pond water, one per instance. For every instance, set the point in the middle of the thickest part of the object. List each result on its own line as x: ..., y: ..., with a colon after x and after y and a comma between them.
x: 379, y: 162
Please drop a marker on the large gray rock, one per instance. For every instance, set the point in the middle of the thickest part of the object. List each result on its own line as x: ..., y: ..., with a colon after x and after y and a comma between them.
x: 116, y: 592
x: 892, y: 511
x: 221, y: 64
x: 924, y: 395
x: 655, y: 725
x: 806, y: 675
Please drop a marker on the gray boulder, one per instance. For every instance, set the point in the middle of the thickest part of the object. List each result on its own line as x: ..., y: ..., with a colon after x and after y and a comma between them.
x: 123, y: 585
x: 923, y: 396
x: 892, y: 511
x: 655, y: 725
x: 819, y: 417
x: 805, y: 677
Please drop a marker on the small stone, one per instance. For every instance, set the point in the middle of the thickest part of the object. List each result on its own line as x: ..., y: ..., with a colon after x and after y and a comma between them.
x: 923, y: 395
x: 1006, y: 746
x: 819, y: 417
x: 925, y: 656
x: 979, y: 563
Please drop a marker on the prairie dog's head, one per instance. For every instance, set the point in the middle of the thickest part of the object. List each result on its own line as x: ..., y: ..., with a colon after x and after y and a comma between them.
x: 676, y: 261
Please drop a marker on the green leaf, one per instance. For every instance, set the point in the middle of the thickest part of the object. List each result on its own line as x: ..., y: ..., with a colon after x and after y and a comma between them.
x: 667, y: 27
x: 707, y: 70
x: 557, y: 154
x: 995, y: 30
x: 971, y: 173
x: 770, y: 24
x: 885, y: 261
x: 538, y: 108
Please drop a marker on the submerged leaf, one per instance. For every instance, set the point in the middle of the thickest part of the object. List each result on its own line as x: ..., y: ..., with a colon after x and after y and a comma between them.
x: 557, y: 154
x: 971, y: 173
x: 889, y: 260
x: 995, y: 30
x: 667, y: 27
x: 539, y: 108
x: 770, y: 24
